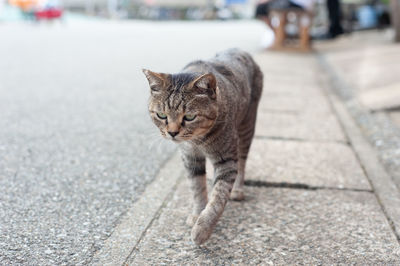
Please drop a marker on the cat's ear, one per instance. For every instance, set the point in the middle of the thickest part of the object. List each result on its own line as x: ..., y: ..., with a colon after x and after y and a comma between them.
x: 157, y: 81
x: 206, y: 84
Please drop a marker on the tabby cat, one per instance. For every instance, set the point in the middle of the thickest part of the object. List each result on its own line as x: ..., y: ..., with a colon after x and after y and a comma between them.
x: 210, y: 109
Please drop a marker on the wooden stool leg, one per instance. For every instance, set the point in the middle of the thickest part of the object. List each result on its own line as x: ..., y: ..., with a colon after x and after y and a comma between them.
x: 280, y: 33
x: 304, y: 26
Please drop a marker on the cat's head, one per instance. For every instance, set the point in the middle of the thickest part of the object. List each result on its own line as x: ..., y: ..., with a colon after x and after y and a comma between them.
x: 183, y: 106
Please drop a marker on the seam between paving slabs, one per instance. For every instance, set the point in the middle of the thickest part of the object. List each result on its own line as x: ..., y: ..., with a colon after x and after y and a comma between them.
x: 300, y: 139
x: 259, y: 183
x: 359, y: 144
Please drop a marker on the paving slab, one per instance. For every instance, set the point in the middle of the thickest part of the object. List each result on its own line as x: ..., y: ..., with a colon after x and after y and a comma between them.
x: 308, y: 125
x: 276, y: 226
x: 293, y: 103
x: 275, y: 88
x: 300, y: 72
x: 387, y: 97
x: 366, y: 61
x: 271, y: 61
x: 395, y: 117
x: 366, y: 73
x: 271, y: 80
x: 314, y: 164
x: 291, y: 70
x: 292, y: 109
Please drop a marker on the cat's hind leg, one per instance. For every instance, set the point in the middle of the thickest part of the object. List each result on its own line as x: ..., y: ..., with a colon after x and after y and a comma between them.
x: 195, y: 165
x: 238, y: 191
x: 246, y: 133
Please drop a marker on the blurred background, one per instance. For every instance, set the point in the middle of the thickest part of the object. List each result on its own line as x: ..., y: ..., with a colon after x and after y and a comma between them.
x: 357, y: 14
x: 77, y: 146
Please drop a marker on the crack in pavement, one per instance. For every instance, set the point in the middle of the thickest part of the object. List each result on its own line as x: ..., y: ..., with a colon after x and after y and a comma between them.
x: 258, y: 183
x: 300, y: 139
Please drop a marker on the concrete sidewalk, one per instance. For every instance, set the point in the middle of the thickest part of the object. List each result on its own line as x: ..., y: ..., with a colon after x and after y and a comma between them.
x: 309, y: 198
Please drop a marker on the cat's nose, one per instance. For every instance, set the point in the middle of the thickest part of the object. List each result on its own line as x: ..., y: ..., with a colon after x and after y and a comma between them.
x: 173, y: 134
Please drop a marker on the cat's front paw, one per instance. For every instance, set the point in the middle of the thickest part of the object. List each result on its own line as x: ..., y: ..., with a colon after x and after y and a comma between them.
x: 191, y: 220
x: 201, y: 232
x: 237, y: 195
x: 203, y: 228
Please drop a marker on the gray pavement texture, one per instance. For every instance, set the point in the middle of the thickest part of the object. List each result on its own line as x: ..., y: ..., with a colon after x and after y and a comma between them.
x: 77, y: 147
x: 309, y: 201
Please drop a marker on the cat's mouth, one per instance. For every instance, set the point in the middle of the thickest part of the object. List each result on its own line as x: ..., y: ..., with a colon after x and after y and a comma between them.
x: 178, y: 139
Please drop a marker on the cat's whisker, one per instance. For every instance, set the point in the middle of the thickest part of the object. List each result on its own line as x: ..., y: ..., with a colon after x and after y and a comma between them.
x: 155, y: 142
x: 152, y: 134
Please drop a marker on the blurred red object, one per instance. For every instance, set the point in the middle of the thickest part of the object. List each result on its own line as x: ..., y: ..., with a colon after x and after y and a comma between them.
x: 50, y: 13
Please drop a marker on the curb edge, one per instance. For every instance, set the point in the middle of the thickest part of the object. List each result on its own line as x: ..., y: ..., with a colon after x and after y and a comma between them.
x: 138, y: 219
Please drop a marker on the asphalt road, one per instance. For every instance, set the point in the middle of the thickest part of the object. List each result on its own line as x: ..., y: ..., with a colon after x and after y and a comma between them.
x: 77, y: 147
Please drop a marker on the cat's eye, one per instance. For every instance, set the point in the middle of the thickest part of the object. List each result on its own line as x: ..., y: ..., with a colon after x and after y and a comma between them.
x: 189, y: 117
x: 161, y: 115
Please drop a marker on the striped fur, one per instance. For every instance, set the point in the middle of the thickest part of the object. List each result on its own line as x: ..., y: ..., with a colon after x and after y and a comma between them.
x: 223, y: 94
